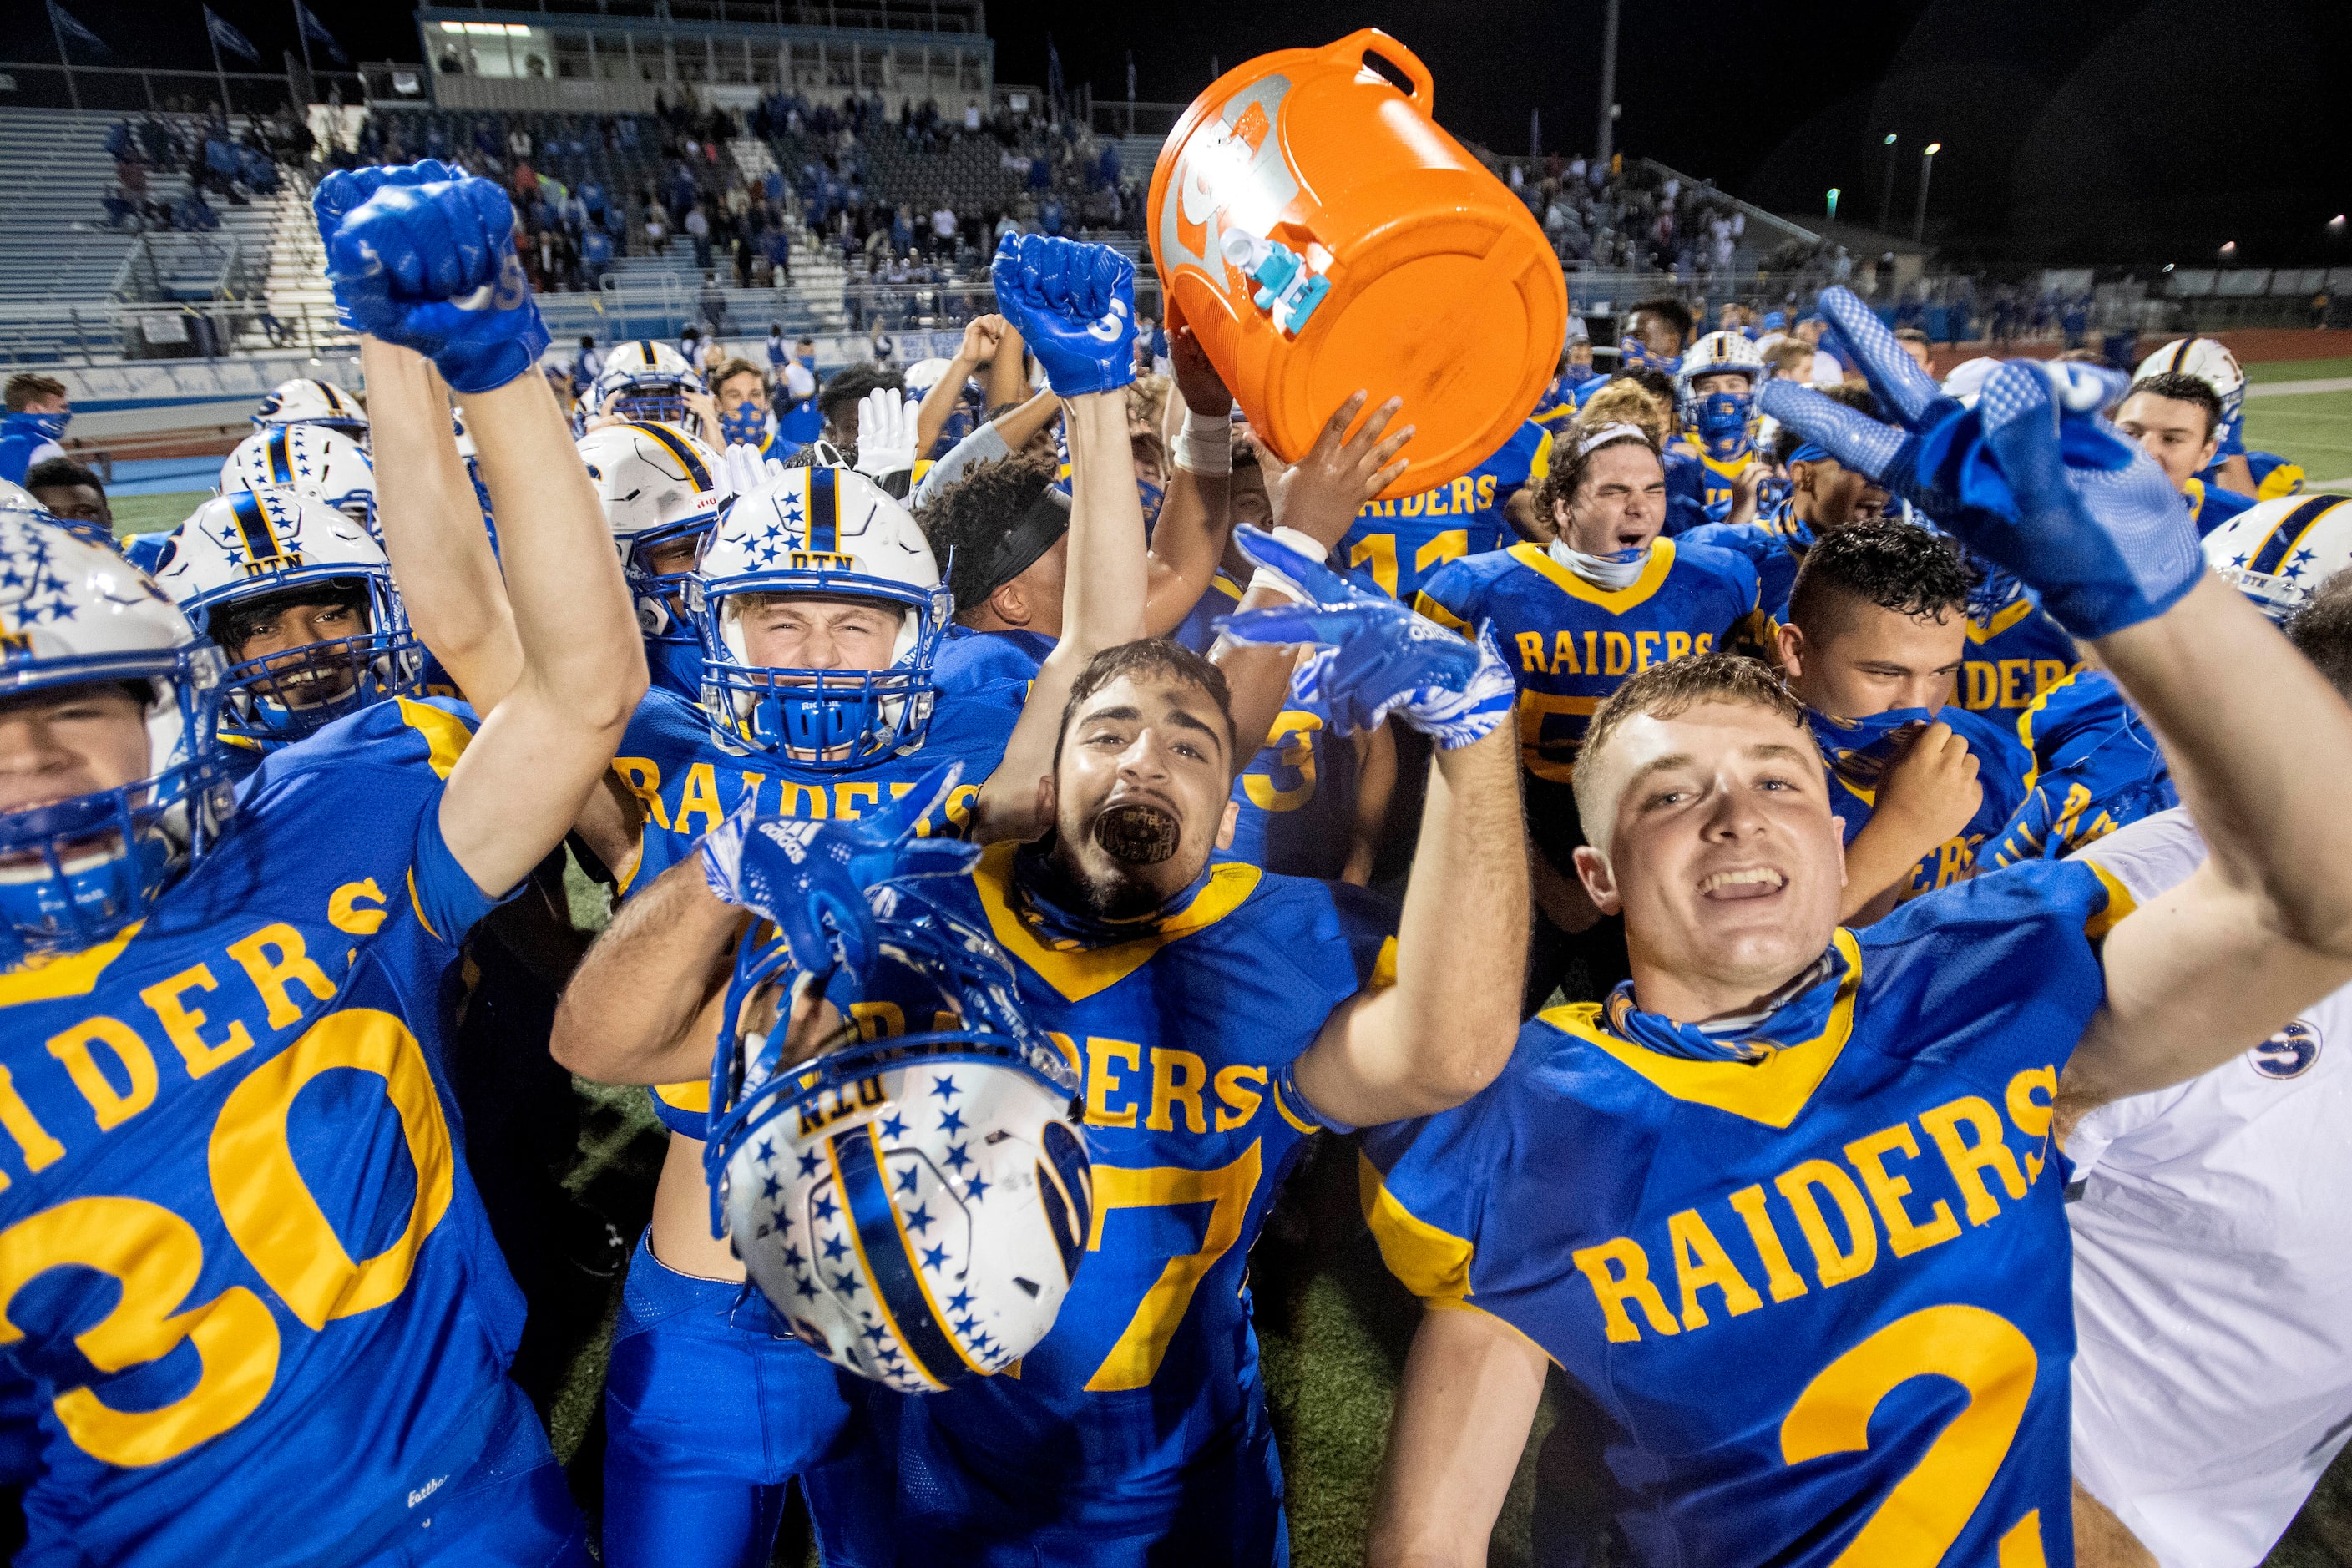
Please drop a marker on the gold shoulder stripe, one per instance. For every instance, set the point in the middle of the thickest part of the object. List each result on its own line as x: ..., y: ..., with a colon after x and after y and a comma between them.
x: 67, y: 975
x: 1773, y: 1091
x: 1424, y: 605
x: 1079, y: 973
x: 445, y: 733
x: 2119, y: 904
x: 2008, y: 616
x: 693, y: 1095
x: 1433, y: 1264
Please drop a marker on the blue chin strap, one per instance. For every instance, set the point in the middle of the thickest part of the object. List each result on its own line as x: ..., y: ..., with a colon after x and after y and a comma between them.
x: 1721, y: 422
x: 369, y: 669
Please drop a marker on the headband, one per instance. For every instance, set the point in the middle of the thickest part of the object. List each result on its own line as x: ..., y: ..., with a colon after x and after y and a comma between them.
x: 1608, y: 433
x: 1047, y: 518
x: 1811, y: 452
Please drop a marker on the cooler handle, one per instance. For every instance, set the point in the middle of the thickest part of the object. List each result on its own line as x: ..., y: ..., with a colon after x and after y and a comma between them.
x: 1350, y: 51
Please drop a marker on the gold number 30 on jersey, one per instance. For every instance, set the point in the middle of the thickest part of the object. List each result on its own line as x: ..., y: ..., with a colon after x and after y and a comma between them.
x: 277, y: 1226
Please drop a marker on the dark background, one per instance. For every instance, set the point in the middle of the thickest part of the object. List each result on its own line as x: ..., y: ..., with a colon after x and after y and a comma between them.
x: 2073, y: 130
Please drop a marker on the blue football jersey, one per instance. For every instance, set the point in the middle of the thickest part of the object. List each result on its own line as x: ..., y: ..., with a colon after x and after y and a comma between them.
x: 2016, y: 652
x: 1816, y: 1283
x: 1298, y: 795
x: 687, y: 781
x: 1394, y: 545
x: 2210, y: 506
x: 968, y: 661
x: 2098, y: 767
x: 1184, y: 1036
x: 1857, y: 752
x: 1571, y: 644
x: 1718, y: 476
x: 1198, y: 630
x: 1686, y: 480
x: 242, y: 1266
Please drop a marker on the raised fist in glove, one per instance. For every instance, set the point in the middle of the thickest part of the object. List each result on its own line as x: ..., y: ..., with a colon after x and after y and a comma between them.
x: 1383, y: 658
x: 809, y: 878
x: 432, y: 267
x: 1074, y: 304
x: 2031, y: 478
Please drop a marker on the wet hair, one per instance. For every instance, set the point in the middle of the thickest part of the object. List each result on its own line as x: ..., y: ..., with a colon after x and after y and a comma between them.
x: 1571, y: 464
x: 231, y: 625
x: 2322, y: 631
x: 1786, y: 441
x: 1153, y: 656
x: 968, y: 518
x: 1667, y: 691
x: 1897, y: 566
x: 2181, y: 388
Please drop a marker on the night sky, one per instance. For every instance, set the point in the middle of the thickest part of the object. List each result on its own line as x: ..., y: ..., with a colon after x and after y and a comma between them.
x: 2084, y: 130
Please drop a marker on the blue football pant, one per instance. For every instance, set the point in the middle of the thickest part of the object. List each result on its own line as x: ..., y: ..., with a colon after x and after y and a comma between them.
x: 509, y: 1509
x: 709, y: 1416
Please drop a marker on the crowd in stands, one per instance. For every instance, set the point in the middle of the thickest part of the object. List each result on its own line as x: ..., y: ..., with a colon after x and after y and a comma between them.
x: 217, y: 156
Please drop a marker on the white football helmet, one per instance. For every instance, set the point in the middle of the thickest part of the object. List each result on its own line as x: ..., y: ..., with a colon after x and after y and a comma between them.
x: 660, y: 487
x: 1720, y: 420
x: 314, y: 461
x: 1968, y: 378
x: 311, y: 401
x: 82, y: 868
x: 641, y: 380
x: 254, y: 549
x: 2209, y: 363
x: 914, y: 1202
x: 2278, y: 552
x: 830, y: 533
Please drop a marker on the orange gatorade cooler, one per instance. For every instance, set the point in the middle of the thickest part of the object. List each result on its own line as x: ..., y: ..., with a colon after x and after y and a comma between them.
x: 1319, y: 233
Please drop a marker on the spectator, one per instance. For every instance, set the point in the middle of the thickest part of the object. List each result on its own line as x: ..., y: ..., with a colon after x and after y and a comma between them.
x: 1914, y: 344
x: 70, y: 491
x: 586, y: 365
x: 943, y: 230
x: 595, y: 257
x: 800, y: 421
x: 698, y: 229
x: 657, y: 232
x: 712, y: 304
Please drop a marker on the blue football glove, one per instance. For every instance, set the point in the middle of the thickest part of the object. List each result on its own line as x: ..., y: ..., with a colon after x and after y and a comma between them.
x: 1384, y: 658
x: 433, y: 268
x: 1075, y: 306
x: 344, y: 190
x: 2031, y: 478
x: 809, y: 879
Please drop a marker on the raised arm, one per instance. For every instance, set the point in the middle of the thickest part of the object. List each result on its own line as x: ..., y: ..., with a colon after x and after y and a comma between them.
x: 2036, y: 481
x: 1196, y: 518
x: 1089, y: 287
x: 431, y: 266
x: 1462, y: 1413
x: 981, y: 337
x: 433, y: 528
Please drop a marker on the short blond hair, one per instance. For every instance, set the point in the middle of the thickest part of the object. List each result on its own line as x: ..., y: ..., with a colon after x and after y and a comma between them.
x: 1667, y: 691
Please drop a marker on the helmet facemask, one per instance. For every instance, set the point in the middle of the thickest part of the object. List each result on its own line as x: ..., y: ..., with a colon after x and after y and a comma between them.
x: 281, y: 696
x: 825, y: 718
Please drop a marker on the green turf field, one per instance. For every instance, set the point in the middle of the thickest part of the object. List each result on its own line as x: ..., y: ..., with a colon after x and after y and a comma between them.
x: 152, y: 514
x: 2313, y: 428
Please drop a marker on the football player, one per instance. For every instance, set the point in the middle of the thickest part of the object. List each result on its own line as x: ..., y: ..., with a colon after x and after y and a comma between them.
x: 300, y: 599
x: 2096, y: 767
x: 661, y: 491
x: 1606, y: 598
x: 315, y: 461
x: 643, y: 380
x: 74, y: 496
x: 2212, y: 1376
x: 1791, y: 1185
x: 1872, y: 647
x: 1715, y: 394
x: 2177, y: 420
x: 237, y: 1352
x: 307, y: 401
x: 2260, y: 475
x: 1217, y: 1013
x: 1822, y: 495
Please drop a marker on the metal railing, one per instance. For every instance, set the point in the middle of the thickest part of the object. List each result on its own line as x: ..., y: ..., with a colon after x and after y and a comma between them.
x: 118, y: 88
x: 872, y: 16
x: 169, y: 265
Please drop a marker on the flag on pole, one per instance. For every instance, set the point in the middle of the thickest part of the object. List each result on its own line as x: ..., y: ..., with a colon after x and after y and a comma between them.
x: 1053, y: 71
x: 314, y: 28
x: 1131, y: 76
x: 65, y: 25
x: 229, y: 38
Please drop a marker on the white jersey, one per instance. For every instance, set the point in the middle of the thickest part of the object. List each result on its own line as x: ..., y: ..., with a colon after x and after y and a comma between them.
x: 2213, y: 1273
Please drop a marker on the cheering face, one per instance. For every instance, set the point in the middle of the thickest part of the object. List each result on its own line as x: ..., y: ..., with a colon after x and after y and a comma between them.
x: 1620, y: 505
x: 1141, y: 792
x: 1829, y: 495
x: 1722, y: 852
x: 1869, y: 659
x: 55, y: 746
x: 279, y: 636
x: 2172, y: 430
x: 805, y: 632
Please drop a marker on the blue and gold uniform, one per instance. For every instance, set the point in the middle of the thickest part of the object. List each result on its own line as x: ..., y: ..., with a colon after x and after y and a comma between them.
x: 2016, y: 651
x: 1298, y: 795
x: 1571, y: 643
x: 1136, y: 1430
x: 243, y: 1268
x: 1813, y: 1271
x: 1198, y: 630
x: 711, y: 1409
x: 1857, y: 751
x: 2096, y: 768
x: 970, y: 661
x: 2210, y: 506
x: 1394, y: 545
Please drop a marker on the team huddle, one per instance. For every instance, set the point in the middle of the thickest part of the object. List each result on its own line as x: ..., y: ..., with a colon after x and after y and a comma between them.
x: 1033, y: 815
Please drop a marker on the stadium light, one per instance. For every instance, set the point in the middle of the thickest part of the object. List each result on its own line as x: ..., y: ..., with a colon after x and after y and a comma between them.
x: 1886, y: 195
x: 1833, y: 199
x: 1890, y: 138
x: 2336, y: 226
x: 1926, y: 167
x: 2230, y: 247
